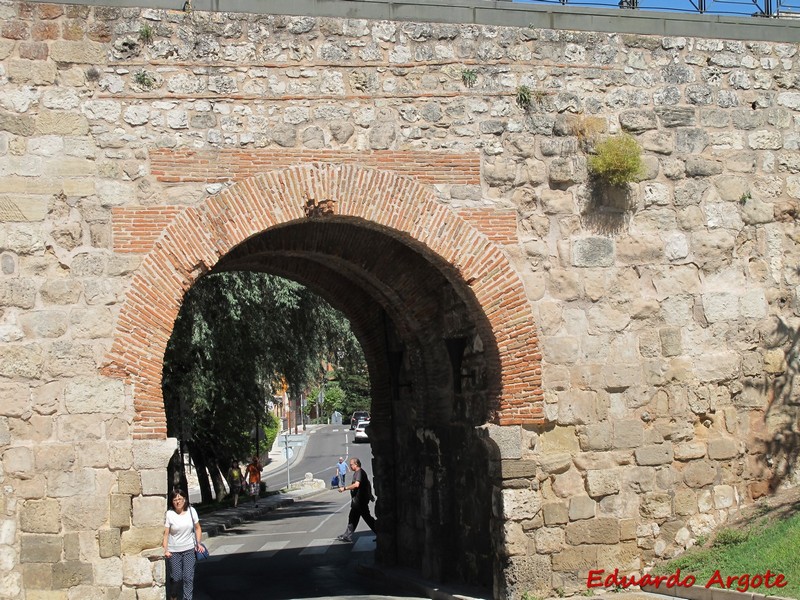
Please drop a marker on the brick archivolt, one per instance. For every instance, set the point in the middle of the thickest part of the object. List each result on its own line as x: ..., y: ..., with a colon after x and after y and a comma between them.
x: 199, y: 236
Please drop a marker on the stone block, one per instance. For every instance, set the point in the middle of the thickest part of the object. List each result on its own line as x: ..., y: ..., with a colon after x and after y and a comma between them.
x: 80, y: 428
x: 593, y: 531
x: 70, y: 483
x: 86, y: 512
x: 722, y: 449
x: 517, y: 504
x: 508, y: 440
x: 108, y: 572
x: 549, y: 540
x: 603, y: 482
x: 656, y: 506
x: 40, y: 516
x: 555, y: 513
x: 40, y: 548
x: 627, y: 529
x: 581, y: 508
x: 724, y: 497
x: 774, y: 361
x: 61, y: 123
x: 658, y: 454
x: 700, y: 473
x: 596, y: 437
x: 78, y: 52
x: 690, y: 450
x: 151, y: 454
x: 44, y: 323
x: 593, y: 252
x: 120, y: 510
x: 18, y: 461
x: 54, y: 457
x: 510, y: 469
x: 136, y: 571
x: 578, y: 558
x: 31, y: 72
x: 109, y: 542
x: 154, y: 483
x: 72, y: 573
x: 139, y: 539
x: 554, y: 464
x: 37, y: 576
x: 60, y: 291
x: 148, y: 511
x: 94, y: 395
x: 577, y: 407
x: 531, y: 574
x: 129, y: 482
x: 670, y: 341
x: 16, y: 399
x: 72, y: 546
x: 628, y: 433
x: 685, y: 502
x: 20, y: 293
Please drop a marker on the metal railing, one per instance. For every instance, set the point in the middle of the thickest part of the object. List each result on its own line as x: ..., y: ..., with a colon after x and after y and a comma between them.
x: 741, y: 8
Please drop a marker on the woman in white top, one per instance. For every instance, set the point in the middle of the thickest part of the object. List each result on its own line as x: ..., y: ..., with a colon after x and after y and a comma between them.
x: 180, y: 543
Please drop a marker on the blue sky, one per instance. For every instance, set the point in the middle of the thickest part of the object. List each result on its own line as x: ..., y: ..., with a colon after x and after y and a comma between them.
x: 730, y: 7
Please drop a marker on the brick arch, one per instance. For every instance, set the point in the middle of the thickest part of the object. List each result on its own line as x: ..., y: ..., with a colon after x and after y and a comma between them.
x: 200, y: 235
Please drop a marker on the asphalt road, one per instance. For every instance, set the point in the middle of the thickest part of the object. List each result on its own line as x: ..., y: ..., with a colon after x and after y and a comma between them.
x: 292, y: 552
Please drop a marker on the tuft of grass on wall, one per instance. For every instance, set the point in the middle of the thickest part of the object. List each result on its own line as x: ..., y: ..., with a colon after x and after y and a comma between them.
x: 617, y: 160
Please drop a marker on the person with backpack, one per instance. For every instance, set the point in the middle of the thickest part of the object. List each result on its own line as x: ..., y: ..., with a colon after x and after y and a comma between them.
x: 360, y: 497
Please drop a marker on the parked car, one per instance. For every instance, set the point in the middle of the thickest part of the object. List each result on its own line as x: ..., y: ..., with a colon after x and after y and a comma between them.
x: 359, y: 415
x: 361, y: 432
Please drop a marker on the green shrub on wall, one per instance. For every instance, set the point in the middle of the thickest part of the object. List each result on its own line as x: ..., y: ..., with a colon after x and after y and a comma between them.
x: 617, y: 160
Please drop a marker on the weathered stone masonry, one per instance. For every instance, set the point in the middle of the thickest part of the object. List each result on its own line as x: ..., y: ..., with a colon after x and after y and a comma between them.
x: 631, y: 358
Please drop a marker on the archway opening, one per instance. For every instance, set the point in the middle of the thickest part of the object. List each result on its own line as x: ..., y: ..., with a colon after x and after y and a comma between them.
x: 434, y: 379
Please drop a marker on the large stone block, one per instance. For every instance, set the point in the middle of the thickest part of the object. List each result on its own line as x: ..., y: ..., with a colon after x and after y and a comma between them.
x: 150, y: 454
x: 54, y: 457
x: 37, y: 576
x: 581, y: 508
x: 656, y: 506
x: 517, y: 504
x: 593, y: 252
x: 659, y: 454
x: 510, y: 469
x: 18, y: 461
x: 78, y: 52
x: 70, y: 483
x: 69, y: 574
x: 154, y: 481
x: 139, y: 539
x: 40, y: 548
x: 94, y: 395
x: 85, y: 512
x: 593, y: 531
x: 579, y: 558
x: 148, y: 511
x: 109, y: 542
x: 604, y: 482
x: 108, y: 572
x: 722, y: 449
x: 16, y: 399
x: 136, y: 571
x: 40, y: 516
x: 120, y: 510
x: 508, y: 440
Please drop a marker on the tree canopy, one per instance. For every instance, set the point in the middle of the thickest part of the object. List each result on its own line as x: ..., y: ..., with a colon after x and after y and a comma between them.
x: 237, y: 337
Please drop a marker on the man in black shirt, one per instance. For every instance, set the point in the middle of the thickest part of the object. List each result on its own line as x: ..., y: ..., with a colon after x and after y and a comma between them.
x: 360, y: 497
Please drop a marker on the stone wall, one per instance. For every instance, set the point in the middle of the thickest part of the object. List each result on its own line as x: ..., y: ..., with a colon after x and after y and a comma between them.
x: 666, y: 317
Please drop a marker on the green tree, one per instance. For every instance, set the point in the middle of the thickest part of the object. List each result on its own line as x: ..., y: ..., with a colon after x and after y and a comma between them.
x: 236, y: 334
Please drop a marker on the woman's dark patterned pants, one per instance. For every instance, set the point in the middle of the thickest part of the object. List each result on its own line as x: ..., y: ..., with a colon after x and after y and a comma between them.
x: 181, y: 569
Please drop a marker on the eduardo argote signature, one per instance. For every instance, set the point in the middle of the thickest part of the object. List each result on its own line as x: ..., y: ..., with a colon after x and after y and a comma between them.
x: 740, y: 583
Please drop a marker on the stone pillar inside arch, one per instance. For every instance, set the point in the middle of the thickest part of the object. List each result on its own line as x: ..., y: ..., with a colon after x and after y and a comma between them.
x: 516, y: 512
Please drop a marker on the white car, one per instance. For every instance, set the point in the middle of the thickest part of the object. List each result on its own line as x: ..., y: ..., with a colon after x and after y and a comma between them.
x: 361, y: 432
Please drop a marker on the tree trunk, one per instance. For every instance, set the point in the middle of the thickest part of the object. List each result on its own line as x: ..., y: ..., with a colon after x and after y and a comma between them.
x: 202, y: 474
x: 216, y: 477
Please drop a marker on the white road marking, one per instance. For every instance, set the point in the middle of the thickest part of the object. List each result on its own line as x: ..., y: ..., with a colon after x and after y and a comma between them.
x: 272, y: 548
x: 325, y: 520
x: 226, y: 549
x: 316, y: 547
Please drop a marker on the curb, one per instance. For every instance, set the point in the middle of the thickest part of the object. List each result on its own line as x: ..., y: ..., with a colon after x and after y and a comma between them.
x: 699, y: 592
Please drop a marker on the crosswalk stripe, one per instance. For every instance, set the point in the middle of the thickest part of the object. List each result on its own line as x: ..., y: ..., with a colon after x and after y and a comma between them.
x: 364, y: 544
x: 272, y: 548
x: 226, y: 549
x: 317, y: 547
